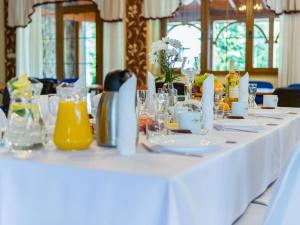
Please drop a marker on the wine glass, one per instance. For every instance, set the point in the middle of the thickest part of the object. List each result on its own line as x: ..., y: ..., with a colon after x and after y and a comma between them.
x: 190, y: 67
x: 218, y: 99
x: 252, y: 94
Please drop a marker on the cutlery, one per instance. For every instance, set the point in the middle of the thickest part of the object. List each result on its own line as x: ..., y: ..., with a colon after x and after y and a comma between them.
x: 230, y: 142
x: 169, y: 152
x: 272, y: 124
x: 236, y: 129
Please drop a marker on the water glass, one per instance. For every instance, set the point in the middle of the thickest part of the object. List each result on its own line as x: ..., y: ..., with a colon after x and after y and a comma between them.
x: 156, y: 126
x: 53, y: 102
x: 252, y: 95
x: 218, y: 99
x: 162, y: 101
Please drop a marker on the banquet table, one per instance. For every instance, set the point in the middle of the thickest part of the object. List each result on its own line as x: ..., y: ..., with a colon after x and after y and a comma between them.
x: 98, y: 186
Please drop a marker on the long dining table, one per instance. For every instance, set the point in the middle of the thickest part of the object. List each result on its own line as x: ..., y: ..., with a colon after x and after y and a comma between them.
x: 100, y: 187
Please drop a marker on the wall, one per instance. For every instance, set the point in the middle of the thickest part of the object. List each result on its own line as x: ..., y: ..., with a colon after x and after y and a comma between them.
x: 2, y: 43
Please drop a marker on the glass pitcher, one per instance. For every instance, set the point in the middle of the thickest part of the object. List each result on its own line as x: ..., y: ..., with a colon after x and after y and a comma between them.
x: 25, y: 127
x: 72, y: 129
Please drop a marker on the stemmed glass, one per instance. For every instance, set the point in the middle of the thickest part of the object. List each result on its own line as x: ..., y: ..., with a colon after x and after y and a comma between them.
x: 141, y: 100
x: 190, y: 67
x: 162, y: 101
x: 252, y: 94
x: 218, y: 99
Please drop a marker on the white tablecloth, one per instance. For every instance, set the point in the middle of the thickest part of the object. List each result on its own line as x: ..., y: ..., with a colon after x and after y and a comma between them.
x: 98, y: 187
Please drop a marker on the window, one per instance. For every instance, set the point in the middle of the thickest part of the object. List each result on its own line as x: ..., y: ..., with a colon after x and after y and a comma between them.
x: 222, y: 30
x: 71, y: 38
x: 265, y: 37
x: 186, y: 27
x: 49, y: 40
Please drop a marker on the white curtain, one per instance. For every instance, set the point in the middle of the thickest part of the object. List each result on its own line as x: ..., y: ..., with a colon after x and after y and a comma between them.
x: 113, y: 47
x: 29, y: 48
x: 281, y: 6
x: 159, y: 8
x: 289, y: 56
x: 19, y: 11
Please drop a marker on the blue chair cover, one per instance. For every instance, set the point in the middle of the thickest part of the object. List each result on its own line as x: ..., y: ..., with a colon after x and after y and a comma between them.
x: 70, y: 80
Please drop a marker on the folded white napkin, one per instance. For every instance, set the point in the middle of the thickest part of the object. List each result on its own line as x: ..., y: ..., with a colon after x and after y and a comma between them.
x: 127, y: 118
x: 3, y: 120
x: 151, y: 90
x: 208, y: 102
x: 243, y: 88
x: 238, y: 125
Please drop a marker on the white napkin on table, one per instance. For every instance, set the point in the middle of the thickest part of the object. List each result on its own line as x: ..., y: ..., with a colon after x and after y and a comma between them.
x: 208, y: 102
x: 151, y: 90
x: 243, y: 88
x: 127, y: 119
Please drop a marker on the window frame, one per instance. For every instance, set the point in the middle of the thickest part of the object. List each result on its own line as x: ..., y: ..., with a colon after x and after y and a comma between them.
x: 204, y: 12
x: 60, y: 12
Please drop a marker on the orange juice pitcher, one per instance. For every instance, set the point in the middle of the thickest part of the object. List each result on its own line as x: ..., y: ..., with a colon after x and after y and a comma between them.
x: 72, y: 129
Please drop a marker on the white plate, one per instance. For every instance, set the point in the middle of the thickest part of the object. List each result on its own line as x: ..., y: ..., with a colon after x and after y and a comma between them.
x: 186, y: 144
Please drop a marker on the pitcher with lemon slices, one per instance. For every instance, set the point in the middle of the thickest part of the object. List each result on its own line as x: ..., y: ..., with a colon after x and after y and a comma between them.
x: 24, y: 129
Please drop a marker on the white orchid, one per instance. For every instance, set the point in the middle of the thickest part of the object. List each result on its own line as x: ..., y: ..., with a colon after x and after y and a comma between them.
x: 165, y: 52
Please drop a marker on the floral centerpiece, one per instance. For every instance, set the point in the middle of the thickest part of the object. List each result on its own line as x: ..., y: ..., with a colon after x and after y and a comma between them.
x: 165, y: 53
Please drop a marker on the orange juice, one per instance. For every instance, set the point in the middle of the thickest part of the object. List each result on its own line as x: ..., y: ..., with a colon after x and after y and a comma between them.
x: 72, y: 130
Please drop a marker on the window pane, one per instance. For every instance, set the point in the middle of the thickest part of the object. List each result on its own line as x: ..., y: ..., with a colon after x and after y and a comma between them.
x: 276, y: 43
x: 227, y: 34
x: 185, y: 26
x: 49, y: 40
x: 80, y: 46
x: 265, y: 49
x: 261, y: 43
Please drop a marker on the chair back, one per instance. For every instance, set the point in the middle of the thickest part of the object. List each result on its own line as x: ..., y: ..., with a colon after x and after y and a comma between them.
x: 285, y: 203
x: 70, y: 80
x: 288, y: 97
x: 48, y: 86
x: 294, y: 86
x: 262, y: 84
x: 180, y: 87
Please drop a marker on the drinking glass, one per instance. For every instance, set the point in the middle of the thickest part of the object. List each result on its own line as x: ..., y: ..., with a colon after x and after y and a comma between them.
x: 190, y: 67
x: 53, y: 101
x: 141, y: 99
x: 156, y: 126
x: 218, y: 99
x: 252, y: 94
x: 162, y: 101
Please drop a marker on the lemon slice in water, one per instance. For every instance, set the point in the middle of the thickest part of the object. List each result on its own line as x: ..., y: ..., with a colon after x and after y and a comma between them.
x: 22, y: 82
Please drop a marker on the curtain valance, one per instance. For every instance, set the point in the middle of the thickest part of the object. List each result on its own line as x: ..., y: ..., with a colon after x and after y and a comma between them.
x: 20, y: 11
x: 284, y: 6
x: 159, y: 9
